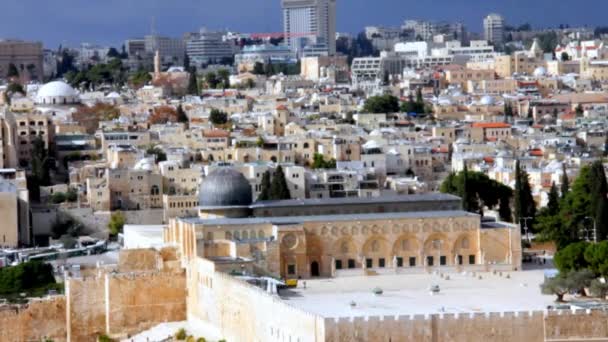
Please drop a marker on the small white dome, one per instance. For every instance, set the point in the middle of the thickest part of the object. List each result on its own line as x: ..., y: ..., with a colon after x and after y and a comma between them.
x: 540, y: 72
x: 145, y: 164
x: 57, y: 92
x: 487, y: 100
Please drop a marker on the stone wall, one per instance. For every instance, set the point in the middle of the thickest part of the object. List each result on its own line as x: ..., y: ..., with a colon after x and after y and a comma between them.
x: 243, y: 312
x: 40, y: 319
x: 535, y: 326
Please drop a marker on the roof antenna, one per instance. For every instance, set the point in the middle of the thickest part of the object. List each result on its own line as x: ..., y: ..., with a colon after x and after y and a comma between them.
x: 153, y: 26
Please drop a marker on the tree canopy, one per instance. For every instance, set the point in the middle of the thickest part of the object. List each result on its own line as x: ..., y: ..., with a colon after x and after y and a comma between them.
x: 218, y: 117
x: 319, y: 162
x: 117, y: 222
x: 381, y: 104
x: 278, y: 187
x: 477, y: 190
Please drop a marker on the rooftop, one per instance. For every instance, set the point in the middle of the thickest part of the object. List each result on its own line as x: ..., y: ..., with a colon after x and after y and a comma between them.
x: 409, y: 294
x: 357, y: 200
x: 327, y: 218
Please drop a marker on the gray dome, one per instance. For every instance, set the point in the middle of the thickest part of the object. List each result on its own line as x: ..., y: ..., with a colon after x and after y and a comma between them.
x: 224, y: 187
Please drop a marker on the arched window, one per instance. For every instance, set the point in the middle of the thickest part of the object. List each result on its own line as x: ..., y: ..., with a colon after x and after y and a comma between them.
x: 245, y: 235
x: 210, y: 236
x: 305, y: 145
x: 154, y: 190
x: 228, y: 235
x: 237, y: 235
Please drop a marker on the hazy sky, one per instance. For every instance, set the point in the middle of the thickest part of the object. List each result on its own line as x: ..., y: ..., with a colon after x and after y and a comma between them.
x: 111, y: 21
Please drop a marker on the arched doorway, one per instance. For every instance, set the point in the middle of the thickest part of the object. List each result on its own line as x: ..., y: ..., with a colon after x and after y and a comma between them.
x: 314, y: 269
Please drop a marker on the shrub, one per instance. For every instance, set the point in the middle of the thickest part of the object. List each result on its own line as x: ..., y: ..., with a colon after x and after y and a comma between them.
x: 104, y: 338
x: 181, y: 334
x: 201, y: 339
x: 599, y: 289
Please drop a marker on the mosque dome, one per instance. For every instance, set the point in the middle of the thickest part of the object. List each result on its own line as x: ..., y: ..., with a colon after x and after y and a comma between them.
x: 57, y: 93
x: 225, y: 186
x: 540, y: 72
x: 487, y: 100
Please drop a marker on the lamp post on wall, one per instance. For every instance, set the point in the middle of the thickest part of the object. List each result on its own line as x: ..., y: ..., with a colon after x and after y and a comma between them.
x: 526, y: 226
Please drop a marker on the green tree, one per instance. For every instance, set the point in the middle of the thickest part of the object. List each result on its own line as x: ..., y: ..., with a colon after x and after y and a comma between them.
x: 140, y: 78
x: 320, y: 163
x: 558, y: 285
x: 224, y: 78
x: 260, y: 142
x: 596, y: 255
x: 218, y: 117
x: 477, y: 191
x: 117, y: 222
x: 605, y: 152
x: 265, y: 186
x: 258, y: 68
x: 565, y: 56
x: 571, y: 257
x: 279, y: 189
x: 193, y: 83
x: 565, y: 186
x: 25, y: 276
x: 579, y: 110
x: 599, y: 199
x: 381, y: 104
x: 211, y: 80
x: 157, y: 152
x: 553, y: 200
x: 599, y: 289
x: 113, y: 53
x: 524, y: 206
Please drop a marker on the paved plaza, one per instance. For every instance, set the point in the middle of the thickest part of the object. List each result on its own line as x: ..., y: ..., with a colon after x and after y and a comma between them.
x: 410, y: 294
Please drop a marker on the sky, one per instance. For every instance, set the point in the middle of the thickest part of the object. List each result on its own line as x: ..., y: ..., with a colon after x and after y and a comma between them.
x: 70, y: 22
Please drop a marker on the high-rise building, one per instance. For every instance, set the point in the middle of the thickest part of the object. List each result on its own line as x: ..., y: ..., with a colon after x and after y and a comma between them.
x: 208, y: 46
x: 172, y: 50
x: 494, y: 28
x: 310, y: 22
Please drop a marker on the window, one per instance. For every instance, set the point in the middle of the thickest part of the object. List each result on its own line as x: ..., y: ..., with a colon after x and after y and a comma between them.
x: 472, y: 259
x: 381, y: 262
x: 291, y: 269
x: 442, y: 260
x: 399, y: 261
x: 412, y: 261
x: 429, y: 261
x: 351, y: 263
x: 459, y: 259
x: 369, y: 263
x: 338, y: 264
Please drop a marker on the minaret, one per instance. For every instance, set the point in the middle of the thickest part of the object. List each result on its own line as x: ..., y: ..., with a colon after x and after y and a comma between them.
x: 157, y: 64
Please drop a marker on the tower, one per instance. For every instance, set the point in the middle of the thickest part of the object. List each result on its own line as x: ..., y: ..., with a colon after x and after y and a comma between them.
x: 309, y: 22
x: 156, y: 64
x: 494, y: 28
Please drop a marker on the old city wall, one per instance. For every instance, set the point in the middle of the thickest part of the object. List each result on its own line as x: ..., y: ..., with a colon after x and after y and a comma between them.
x: 36, y: 321
x: 139, y: 302
x: 85, y: 307
x: 243, y: 312
x: 535, y: 326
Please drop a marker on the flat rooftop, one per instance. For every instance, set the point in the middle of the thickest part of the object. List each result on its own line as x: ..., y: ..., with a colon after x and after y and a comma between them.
x: 408, y: 294
x: 429, y: 197
x: 328, y: 218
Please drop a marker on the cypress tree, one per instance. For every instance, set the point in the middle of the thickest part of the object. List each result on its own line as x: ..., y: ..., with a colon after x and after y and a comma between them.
x: 599, y: 191
x: 606, y: 146
x: 553, y: 203
x: 565, y: 186
x: 517, y: 205
x: 193, y: 83
x: 265, y: 187
x: 278, y: 188
x: 465, y: 189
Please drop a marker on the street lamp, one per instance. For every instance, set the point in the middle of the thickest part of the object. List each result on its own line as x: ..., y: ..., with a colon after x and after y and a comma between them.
x: 526, y: 226
x: 594, y: 229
